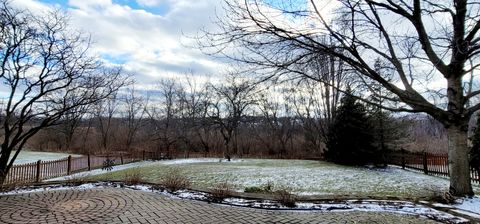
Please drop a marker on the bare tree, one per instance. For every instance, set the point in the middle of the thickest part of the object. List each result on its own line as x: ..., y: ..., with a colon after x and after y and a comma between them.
x: 46, y: 70
x: 421, y: 40
x: 279, y: 123
x: 229, y: 107
x: 163, y: 115
x: 70, y: 122
x: 193, y: 124
x: 134, y: 107
x: 105, y: 112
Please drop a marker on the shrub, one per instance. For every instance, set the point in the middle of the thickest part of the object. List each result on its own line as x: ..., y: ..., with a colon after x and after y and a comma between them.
x: 222, y: 190
x: 437, y: 195
x: 350, y: 140
x: 285, y: 197
x: 133, y: 177
x: 76, y: 179
x: 475, y: 148
x: 267, y: 188
x: 174, y: 179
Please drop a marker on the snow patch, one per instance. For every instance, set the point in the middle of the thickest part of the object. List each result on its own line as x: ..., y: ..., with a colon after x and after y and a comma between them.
x: 400, y: 207
x: 26, y: 190
x: 471, y: 205
x: 199, y: 160
x: 101, y: 171
x: 471, y: 214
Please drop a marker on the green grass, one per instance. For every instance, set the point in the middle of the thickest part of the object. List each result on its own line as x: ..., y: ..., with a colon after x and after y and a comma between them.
x: 302, y: 176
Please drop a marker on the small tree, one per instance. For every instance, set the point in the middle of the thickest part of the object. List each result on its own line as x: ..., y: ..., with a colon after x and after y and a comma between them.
x: 475, y: 150
x: 350, y: 141
x: 47, y: 73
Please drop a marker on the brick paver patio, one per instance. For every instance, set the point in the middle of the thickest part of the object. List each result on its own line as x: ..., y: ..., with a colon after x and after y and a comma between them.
x: 113, y: 205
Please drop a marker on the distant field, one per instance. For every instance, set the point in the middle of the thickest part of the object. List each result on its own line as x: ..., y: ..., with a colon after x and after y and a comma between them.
x: 303, y: 177
x: 26, y: 156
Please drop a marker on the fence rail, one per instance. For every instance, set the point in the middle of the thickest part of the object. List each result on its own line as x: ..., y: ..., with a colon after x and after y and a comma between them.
x: 41, y: 170
x: 427, y: 163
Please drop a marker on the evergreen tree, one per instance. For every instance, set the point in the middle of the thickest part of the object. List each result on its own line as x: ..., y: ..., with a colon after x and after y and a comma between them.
x: 475, y: 150
x: 350, y: 141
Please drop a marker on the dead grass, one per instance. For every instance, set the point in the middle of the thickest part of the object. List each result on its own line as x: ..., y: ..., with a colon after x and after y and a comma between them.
x: 76, y: 179
x: 174, y: 179
x: 133, y: 177
x: 222, y: 190
x: 285, y: 197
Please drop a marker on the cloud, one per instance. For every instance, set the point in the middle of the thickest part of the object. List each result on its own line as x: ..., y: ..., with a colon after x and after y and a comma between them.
x: 150, y: 3
x: 149, y: 44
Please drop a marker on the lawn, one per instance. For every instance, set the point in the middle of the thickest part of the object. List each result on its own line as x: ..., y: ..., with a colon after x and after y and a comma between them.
x: 303, y: 177
x: 27, y: 156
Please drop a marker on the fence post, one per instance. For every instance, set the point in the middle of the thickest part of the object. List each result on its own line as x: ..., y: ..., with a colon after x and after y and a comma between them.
x: 88, y: 162
x: 39, y: 163
x: 403, y: 158
x: 425, y: 165
x: 69, y: 165
x: 143, y: 155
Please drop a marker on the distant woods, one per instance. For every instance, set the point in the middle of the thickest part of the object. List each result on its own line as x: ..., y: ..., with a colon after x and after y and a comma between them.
x: 56, y: 96
x: 48, y: 79
x: 183, y: 117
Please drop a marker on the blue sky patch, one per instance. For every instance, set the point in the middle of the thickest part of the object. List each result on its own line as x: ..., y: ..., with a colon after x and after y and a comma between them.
x: 288, y: 5
x: 161, y: 9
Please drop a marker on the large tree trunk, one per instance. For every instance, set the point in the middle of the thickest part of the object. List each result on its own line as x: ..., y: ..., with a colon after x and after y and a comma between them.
x: 458, y: 162
x: 3, y: 167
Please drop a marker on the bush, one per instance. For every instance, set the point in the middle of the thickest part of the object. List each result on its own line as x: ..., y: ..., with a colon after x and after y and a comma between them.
x: 285, y: 197
x: 222, y: 190
x: 350, y: 139
x: 434, y: 194
x: 76, y: 179
x: 475, y: 149
x: 267, y: 188
x: 174, y: 179
x: 133, y: 177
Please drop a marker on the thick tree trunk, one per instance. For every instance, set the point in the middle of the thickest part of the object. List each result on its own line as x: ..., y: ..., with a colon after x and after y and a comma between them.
x: 458, y: 162
x: 3, y: 168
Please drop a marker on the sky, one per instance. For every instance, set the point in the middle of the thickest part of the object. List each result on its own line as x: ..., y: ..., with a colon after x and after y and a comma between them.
x: 152, y: 39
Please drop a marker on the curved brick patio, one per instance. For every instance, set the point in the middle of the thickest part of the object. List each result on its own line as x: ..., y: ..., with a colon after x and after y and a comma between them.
x: 111, y: 205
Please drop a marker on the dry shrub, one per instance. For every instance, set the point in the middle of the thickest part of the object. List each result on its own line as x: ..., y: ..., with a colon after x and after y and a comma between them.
x: 76, y: 179
x: 264, y: 189
x: 444, y: 197
x: 285, y: 197
x: 133, y: 177
x: 9, y: 187
x: 222, y: 190
x: 174, y: 179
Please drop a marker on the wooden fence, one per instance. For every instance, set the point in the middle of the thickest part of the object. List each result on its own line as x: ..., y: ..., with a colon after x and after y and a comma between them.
x: 427, y: 163
x: 41, y: 170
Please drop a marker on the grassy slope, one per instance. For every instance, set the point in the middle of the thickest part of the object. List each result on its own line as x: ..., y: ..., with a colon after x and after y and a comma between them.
x: 303, y: 177
x: 27, y: 156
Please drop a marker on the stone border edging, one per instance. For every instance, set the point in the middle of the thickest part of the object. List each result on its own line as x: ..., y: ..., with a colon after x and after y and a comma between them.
x: 327, y: 199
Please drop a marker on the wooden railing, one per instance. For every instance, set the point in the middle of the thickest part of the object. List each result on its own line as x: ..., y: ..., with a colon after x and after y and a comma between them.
x: 434, y: 164
x: 41, y: 170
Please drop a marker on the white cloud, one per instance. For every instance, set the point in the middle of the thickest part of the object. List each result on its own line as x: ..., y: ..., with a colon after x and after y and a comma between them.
x: 150, y: 3
x: 90, y: 3
x: 149, y: 45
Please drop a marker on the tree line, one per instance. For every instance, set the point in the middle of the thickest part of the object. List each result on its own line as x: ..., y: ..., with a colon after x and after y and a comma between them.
x: 387, y: 52
x: 183, y: 117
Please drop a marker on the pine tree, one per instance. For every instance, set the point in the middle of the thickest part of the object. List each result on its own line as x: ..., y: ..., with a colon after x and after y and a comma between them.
x: 475, y: 149
x: 350, y: 141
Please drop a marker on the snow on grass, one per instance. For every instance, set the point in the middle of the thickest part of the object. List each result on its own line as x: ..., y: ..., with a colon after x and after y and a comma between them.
x: 471, y: 205
x: 25, y: 190
x: 87, y: 174
x: 303, y: 177
x: 197, y: 160
x: 390, y: 206
x: 26, y: 156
